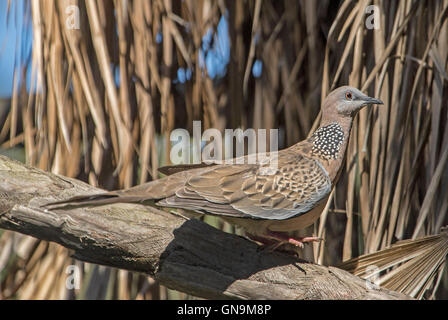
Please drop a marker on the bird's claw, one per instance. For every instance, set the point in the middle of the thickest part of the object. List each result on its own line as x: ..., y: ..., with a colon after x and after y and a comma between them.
x: 280, y: 242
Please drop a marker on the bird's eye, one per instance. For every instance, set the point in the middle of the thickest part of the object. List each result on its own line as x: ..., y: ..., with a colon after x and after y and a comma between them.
x: 348, y: 95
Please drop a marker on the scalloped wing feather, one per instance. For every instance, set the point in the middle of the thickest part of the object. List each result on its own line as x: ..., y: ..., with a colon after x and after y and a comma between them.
x: 294, y: 187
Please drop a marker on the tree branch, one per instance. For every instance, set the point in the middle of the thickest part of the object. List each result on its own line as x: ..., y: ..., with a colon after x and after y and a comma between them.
x: 185, y: 255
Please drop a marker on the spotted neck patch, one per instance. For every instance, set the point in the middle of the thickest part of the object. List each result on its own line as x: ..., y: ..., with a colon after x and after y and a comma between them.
x: 327, y: 141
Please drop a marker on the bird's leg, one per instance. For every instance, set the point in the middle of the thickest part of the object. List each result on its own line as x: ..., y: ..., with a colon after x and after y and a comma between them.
x: 273, y: 240
x: 284, y: 238
x: 266, y: 242
x: 271, y: 245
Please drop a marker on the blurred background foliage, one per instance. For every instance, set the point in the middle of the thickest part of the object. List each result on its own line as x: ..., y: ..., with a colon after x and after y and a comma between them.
x: 97, y: 87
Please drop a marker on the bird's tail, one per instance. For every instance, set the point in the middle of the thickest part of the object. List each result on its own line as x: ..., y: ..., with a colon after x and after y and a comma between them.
x: 154, y: 190
x: 98, y: 200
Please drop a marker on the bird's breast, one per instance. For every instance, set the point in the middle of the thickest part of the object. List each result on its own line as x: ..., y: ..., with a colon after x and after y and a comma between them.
x: 299, y: 222
x: 327, y: 141
x: 262, y: 226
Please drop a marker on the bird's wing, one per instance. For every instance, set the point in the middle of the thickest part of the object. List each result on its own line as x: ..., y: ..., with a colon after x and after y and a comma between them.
x: 257, y: 191
x: 169, y: 170
x: 173, y: 169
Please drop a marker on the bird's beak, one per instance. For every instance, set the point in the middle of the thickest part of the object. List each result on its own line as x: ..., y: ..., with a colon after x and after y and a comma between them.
x: 370, y: 100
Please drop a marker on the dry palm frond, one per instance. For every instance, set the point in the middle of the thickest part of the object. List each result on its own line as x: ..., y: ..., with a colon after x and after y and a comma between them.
x: 408, y: 266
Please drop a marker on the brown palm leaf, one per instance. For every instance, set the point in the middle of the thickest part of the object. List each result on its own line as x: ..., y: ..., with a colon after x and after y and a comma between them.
x: 408, y: 266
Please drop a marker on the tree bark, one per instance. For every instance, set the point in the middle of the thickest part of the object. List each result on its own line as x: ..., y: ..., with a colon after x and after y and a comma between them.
x: 183, y: 254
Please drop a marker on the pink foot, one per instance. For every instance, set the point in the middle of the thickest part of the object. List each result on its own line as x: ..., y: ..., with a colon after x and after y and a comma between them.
x: 301, y: 240
x: 274, y: 240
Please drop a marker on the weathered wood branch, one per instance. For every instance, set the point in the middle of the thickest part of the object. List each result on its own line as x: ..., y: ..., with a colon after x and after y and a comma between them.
x: 185, y: 255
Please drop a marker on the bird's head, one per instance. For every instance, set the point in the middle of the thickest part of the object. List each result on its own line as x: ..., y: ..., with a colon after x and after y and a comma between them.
x: 346, y: 101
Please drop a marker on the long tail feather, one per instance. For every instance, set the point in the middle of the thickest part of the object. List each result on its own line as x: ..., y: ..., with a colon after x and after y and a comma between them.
x: 95, y: 200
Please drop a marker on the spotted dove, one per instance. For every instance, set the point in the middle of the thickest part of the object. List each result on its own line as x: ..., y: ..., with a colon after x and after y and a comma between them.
x: 266, y: 205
